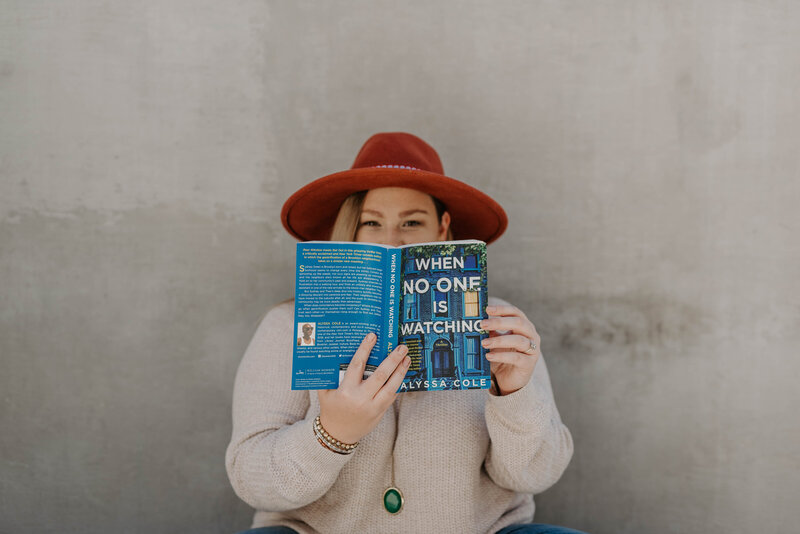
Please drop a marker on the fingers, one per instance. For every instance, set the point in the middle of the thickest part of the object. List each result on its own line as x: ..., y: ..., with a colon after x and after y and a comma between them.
x: 503, y: 310
x: 513, y: 358
x: 388, y: 392
x: 511, y: 334
x: 515, y: 325
x: 385, y: 370
x: 511, y: 341
x: 355, y: 371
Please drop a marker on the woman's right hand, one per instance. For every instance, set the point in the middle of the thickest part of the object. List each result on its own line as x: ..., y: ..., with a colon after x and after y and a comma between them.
x: 350, y: 412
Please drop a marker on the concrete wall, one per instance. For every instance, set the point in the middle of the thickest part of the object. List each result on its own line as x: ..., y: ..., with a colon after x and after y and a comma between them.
x: 646, y: 152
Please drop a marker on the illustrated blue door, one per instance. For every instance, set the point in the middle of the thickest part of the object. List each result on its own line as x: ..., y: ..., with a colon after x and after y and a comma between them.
x: 442, y: 359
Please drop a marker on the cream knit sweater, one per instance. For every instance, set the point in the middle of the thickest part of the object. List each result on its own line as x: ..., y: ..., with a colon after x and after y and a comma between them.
x: 466, y: 461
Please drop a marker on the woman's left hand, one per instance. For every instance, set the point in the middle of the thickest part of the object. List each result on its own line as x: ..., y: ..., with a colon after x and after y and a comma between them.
x: 514, y: 352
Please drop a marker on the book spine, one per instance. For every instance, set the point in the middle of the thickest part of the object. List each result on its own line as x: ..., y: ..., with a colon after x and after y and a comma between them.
x: 298, y: 252
x: 392, y: 298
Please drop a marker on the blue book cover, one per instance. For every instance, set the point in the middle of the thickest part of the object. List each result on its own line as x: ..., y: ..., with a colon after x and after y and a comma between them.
x: 429, y: 296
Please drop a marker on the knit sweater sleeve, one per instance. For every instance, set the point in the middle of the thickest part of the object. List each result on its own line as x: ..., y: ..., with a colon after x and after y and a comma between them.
x: 274, y: 461
x: 529, y: 445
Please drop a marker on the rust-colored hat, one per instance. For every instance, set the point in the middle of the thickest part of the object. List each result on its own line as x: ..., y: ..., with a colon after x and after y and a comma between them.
x: 393, y: 160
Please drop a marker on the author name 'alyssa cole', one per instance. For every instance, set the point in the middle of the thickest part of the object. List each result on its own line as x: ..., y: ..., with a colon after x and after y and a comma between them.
x: 435, y: 383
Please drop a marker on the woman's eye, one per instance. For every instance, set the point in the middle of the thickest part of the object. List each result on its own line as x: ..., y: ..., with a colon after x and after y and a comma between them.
x: 369, y: 223
x: 412, y: 223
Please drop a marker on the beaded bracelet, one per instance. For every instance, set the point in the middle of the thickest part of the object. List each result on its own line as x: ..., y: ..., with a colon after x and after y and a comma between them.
x: 331, y: 443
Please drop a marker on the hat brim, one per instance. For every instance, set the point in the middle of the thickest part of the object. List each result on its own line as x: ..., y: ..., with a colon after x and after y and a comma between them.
x: 309, y: 214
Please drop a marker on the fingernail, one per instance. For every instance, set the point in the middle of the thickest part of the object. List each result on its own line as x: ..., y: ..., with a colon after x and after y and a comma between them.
x: 406, y: 361
x: 491, y: 308
x: 402, y: 349
x: 486, y: 342
x: 371, y: 336
x: 490, y: 356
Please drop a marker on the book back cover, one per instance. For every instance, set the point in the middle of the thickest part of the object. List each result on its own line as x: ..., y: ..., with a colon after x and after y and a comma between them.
x: 339, y: 298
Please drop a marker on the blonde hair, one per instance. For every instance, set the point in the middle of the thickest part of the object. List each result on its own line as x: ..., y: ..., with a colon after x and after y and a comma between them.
x: 346, y: 225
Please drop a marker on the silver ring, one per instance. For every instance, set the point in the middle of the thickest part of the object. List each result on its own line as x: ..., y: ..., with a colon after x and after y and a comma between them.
x: 532, y: 348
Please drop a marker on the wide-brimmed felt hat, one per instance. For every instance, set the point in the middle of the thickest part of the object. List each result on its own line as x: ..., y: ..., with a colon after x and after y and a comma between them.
x: 393, y: 159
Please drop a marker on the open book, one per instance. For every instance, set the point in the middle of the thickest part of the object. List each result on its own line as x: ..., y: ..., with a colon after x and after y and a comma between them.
x: 429, y: 296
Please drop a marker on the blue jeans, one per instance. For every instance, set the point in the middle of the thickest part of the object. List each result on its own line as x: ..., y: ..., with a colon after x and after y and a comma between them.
x: 269, y: 530
x: 537, y: 528
x: 530, y: 528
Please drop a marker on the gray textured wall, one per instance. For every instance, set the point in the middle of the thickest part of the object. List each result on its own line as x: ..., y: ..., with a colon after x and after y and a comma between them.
x: 646, y: 151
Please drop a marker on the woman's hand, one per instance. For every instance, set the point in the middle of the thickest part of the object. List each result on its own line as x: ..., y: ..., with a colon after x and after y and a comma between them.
x: 512, y: 353
x: 350, y: 412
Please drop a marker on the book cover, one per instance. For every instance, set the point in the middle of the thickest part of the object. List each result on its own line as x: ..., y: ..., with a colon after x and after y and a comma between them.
x: 442, y: 301
x: 429, y: 296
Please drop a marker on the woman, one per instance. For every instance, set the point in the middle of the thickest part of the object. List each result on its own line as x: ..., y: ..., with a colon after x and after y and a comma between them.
x: 463, y: 461
x: 306, y: 335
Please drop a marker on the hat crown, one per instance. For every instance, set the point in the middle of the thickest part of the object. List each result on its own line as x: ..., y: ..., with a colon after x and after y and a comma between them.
x: 398, y: 149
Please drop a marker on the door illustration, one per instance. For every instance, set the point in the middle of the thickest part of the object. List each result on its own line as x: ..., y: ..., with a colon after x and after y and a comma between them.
x: 442, y: 360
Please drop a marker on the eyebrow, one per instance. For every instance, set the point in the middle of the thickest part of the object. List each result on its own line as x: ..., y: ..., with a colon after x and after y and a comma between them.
x: 402, y: 214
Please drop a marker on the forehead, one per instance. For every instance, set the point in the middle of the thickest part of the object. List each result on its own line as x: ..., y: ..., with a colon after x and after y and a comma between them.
x: 399, y: 198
